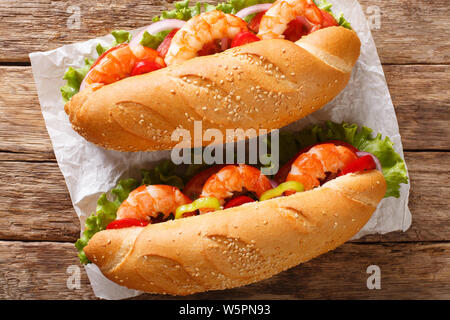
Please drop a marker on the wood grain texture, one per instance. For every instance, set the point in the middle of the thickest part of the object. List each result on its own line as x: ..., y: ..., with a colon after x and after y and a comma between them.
x: 420, y: 95
x: 22, y: 127
x: 404, y: 35
x: 35, y: 204
x: 38, y: 270
x: 421, y: 99
x: 411, y: 31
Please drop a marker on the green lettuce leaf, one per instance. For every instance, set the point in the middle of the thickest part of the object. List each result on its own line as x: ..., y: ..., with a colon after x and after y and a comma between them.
x: 394, y: 169
x: 153, y: 41
x: 120, y: 36
x: 74, y: 77
x: 163, y: 173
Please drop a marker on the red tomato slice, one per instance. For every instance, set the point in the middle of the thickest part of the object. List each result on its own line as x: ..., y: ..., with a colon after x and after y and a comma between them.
x: 282, y: 174
x: 144, y: 66
x: 244, y: 37
x: 256, y: 20
x: 297, y: 28
x: 209, y: 48
x: 328, y: 20
x: 237, y: 201
x: 361, y: 164
x: 165, y: 44
x: 194, y: 187
x: 106, y: 52
x: 126, y: 223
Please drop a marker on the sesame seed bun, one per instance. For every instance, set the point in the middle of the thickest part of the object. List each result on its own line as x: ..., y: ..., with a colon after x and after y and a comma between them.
x: 265, y: 84
x: 240, y: 245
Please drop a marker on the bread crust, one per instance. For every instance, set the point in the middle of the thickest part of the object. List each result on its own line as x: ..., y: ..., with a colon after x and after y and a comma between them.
x: 237, y: 246
x: 266, y: 84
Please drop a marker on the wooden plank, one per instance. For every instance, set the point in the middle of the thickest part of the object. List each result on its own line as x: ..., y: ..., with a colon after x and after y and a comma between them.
x: 419, y: 94
x: 422, y: 103
x: 411, y: 31
x: 22, y: 127
x: 35, y: 204
x: 38, y: 270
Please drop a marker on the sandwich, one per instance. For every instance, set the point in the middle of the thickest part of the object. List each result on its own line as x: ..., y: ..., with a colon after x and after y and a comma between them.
x: 240, y: 64
x: 182, y: 230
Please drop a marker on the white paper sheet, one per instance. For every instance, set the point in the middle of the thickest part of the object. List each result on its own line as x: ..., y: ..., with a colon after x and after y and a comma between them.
x: 90, y: 170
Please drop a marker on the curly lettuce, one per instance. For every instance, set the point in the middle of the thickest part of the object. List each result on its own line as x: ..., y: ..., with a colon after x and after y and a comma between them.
x: 120, y: 36
x: 74, y: 77
x: 163, y: 173
x: 153, y: 40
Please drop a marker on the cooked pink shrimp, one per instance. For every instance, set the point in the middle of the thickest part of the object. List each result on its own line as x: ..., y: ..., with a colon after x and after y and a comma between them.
x: 313, y: 165
x: 118, y: 63
x: 275, y: 21
x: 201, y: 30
x: 234, y: 178
x: 150, y: 201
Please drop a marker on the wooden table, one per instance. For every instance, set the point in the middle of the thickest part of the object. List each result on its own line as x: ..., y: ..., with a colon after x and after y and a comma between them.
x: 38, y: 225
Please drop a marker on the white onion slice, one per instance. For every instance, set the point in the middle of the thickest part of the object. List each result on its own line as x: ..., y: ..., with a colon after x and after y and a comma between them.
x: 253, y: 9
x: 375, y: 159
x: 156, y: 27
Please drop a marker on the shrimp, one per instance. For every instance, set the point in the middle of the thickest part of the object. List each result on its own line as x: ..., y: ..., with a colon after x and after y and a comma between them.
x: 234, y: 178
x: 149, y: 201
x: 311, y: 166
x: 200, y: 30
x: 275, y: 21
x: 118, y: 63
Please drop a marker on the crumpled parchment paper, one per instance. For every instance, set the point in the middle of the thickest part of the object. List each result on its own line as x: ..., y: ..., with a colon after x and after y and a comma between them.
x: 90, y: 170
